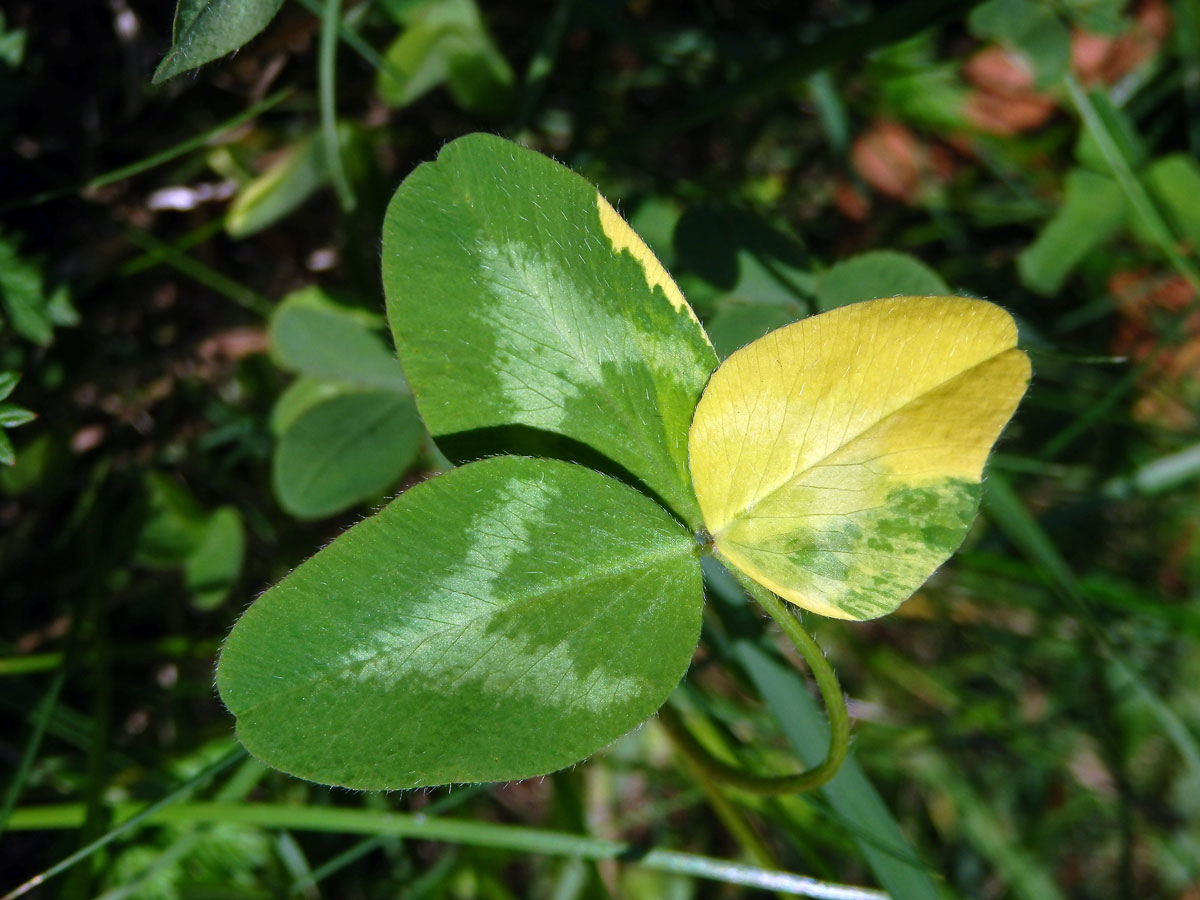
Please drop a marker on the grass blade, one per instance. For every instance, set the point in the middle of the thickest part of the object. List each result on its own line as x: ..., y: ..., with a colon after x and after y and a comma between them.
x: 1135, y: 193
x: 198, y: 271
x: 1009, y: 513
x: 41, y: 718
x: 980, y: 824
x: 431, y: 828
x: 133, y: 819
x: 198, y: 142
x: 327, y: 91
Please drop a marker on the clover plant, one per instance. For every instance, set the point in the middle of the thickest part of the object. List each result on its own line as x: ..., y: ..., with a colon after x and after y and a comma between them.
x: 513, y: 615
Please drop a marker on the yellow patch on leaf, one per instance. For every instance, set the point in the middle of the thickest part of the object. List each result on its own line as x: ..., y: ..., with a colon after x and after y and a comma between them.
x: 624, y: 238
x: 837, y: 460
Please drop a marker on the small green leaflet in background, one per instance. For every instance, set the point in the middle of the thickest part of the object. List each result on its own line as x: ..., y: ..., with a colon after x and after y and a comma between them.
x: 11, y: 416
x: 301, y: 395
x: 749, y: 276
x: 447, y: 42
x: 312, y: 333
x: 174, y: 523
x: 290, y: 180
x: 346, y: 449
x: 1096, y: 205
x: 760, y: 302
x: 179, y: 533
x: 40, y: 465
x: 518, y: 297
x: 1174, y: 181
x: 915, y: 84
x: 460, y: 635
x: 213, y: 566
x: 735, y: 324
x: 1105, y: 17
x: 1092, y: 211
x: 1031, y: 28
x: 738, y: 253
x: 207, y: 29
x: 31, y: 309
x: 12, y: 44
x: 347, y: 429
x: 879, y: 273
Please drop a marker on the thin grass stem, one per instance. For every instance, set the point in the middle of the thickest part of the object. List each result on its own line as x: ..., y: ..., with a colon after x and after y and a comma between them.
x: 327, y: 97
x: 421, y: 826
x: 198, y: 271
x: 134, y: 819
x: 1132, y: 187
x: 198, y: 142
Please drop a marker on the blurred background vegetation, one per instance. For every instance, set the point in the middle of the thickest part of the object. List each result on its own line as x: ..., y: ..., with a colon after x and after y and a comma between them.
x: 190, y: 305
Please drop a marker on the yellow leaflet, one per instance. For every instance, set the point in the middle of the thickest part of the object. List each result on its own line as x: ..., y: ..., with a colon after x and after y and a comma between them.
x: 624, y: 238
x: 837, y: 461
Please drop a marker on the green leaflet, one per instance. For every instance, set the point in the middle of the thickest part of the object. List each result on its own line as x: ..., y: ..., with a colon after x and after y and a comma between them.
x: 447, y: 42
x: 517, y: 296
x: 877, y: 273
x: 760, y: 273
x: 1092, y: 211
x: 1175, y: 183
x: 208, y: 29
x: 1033, y: 29
x: 214, y: 566
x: 347, y: 429
x: 461, y: 635
x: 27, y: 303
x: 735, y: 325
x: 344, y: 450
x: 301, y: 395
x: 281, y: 189
x: 313, y: 334
x: 173, y: 526
x: 298, y: 173
x: 11, y: 416
x: 178, y: 532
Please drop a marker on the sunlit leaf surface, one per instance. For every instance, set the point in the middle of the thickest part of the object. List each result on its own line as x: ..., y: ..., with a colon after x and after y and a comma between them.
x: 503, y: 620
x: 837, y: 460
x: 518, y: 296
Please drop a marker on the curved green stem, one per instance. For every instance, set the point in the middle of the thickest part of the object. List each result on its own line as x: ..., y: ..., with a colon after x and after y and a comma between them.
x: 831, y: 694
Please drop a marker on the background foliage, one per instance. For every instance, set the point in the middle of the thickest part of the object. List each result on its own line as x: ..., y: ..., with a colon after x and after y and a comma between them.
x: 178, y: 257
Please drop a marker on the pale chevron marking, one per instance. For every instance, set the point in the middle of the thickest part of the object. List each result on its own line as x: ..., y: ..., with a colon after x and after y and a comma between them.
x: 500, y: 533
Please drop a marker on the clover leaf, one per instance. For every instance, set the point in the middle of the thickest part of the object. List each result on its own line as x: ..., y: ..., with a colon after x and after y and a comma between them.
x: 514, y: 615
